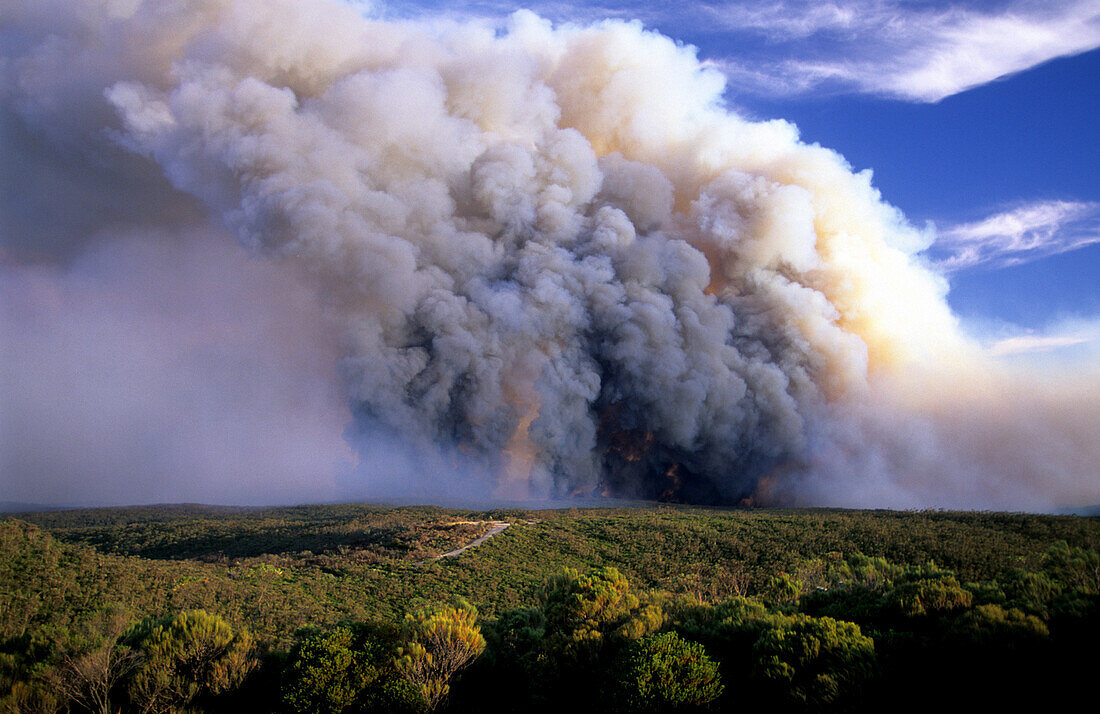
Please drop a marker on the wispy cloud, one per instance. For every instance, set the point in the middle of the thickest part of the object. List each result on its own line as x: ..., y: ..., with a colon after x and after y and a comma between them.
x: 921, y: 54
x: 799, y: 19
x: 1020, y: 235
x: 1072, y: 340
x: 1031, y: 343
x: 962, y: 50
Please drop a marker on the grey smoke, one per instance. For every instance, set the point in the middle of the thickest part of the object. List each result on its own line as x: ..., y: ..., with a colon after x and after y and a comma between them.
x: 534, y: 262
x: 162, y: 368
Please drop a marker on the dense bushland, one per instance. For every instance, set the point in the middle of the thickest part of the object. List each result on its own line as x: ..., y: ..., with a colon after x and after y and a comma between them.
x: 343, y: 609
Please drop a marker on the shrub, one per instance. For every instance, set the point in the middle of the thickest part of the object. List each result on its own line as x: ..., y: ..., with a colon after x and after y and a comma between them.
x: 666, y: 673
x: 186, y: 656
x: 345, y: 670
x: 813, y: 660
x: 439, y: 641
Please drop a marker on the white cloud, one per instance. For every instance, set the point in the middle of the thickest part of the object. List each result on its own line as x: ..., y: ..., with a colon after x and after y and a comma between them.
x: 1023, y: 344
x: 799, y: 20
x: 1070, y: 342
x: 1019, y: 235
x: 890, y: 49
x: 970, y: 50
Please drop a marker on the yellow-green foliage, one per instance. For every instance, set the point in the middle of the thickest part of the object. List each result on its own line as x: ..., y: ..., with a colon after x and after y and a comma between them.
x: 582, y: 611
x: 185, y: 656
x: 645, y: 619
x: 439, y: 641
x: 575, y: 603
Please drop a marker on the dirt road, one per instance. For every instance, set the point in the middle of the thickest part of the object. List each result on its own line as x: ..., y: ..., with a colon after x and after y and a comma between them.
x: 495, y: 527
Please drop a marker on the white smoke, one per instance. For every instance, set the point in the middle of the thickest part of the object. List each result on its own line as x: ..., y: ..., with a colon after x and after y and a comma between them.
x: 555, y: 262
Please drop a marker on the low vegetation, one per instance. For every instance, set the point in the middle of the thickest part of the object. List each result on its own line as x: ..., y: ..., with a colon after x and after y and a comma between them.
x: 648, y: 609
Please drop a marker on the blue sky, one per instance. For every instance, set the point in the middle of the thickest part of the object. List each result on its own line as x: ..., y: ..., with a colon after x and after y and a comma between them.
x: 975, y: 117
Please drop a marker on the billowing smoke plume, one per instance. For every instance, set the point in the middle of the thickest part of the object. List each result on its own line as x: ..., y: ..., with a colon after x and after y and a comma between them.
x: 555, y: 264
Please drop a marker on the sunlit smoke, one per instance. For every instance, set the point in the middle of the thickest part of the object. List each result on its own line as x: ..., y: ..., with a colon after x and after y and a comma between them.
x: 551, y: 262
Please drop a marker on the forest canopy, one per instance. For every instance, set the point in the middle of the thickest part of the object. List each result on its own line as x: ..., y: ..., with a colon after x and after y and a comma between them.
x: 349, y: 609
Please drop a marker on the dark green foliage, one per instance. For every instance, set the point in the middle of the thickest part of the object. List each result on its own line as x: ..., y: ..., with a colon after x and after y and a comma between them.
x: 881, y: 593
x: 813, y: 661
x: 215, y: 533
x: 515, y: 661
x: 666, y: 673
x: 771, y: 658
x: 993, y: 628
x: 346, y: 669
x: 728, y: 629
x: 326, y: 673
x: 94, y: 661
x: 250, y: 565
x: 516, y: 632
x: 1033, y: 592
x: 927, y: 591
x: 563, y: 595
x: 1074, y: 567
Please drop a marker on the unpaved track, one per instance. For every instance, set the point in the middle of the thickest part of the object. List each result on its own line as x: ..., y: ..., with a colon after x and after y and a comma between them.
x: 495, y: 527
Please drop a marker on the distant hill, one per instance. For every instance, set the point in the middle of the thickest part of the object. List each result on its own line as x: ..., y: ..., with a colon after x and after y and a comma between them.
x: 20, y: 507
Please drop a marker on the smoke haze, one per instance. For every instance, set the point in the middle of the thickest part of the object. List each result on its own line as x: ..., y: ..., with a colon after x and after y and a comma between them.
x: 262, y: 251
